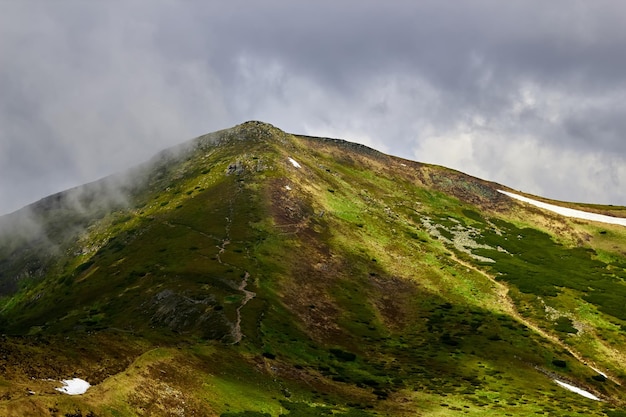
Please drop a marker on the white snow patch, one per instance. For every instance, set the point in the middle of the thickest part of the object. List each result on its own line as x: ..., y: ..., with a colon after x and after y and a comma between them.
x: 568, y: 212
x: 74, y: 386
x: 577, y: 390
x: 294, y: 163
x: 599, y: 372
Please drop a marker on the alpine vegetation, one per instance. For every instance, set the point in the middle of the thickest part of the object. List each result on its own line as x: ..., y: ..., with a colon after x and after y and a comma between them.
x: 253, y: 272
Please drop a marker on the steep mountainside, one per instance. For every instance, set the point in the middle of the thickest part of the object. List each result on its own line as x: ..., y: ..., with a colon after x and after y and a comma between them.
x: 251, y: 272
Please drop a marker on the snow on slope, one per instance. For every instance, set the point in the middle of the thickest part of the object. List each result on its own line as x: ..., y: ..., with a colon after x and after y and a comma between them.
x: 74, y: 386
x: 294, y: 163
x: 577, y: 390
x: 568, y: 212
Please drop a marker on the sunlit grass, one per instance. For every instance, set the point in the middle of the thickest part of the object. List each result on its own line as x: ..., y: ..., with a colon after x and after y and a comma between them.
x: 359, y: 308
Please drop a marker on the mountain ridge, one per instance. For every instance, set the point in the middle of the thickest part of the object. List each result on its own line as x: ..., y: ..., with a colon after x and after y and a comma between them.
x: 253, y: 272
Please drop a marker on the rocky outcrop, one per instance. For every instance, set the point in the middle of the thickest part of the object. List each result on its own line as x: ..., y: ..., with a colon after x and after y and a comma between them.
x: 184, y: 314
x: 235, y: 168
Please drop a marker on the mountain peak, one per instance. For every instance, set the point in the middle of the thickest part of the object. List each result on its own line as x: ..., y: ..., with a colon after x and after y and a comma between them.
x: 255, y: 130
x: 252, y: 130
x: 314, y: 275
x: 257, y: 126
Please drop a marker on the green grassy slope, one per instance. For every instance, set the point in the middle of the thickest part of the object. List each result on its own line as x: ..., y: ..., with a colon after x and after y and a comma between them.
x: 226, y: 280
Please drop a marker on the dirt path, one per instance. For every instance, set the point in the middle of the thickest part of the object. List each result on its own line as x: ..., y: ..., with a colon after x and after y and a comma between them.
x: 247, y: 296
x: 237, y: 334
x: 510, y: 308
x: 170, y: 224
x: 226, y: 240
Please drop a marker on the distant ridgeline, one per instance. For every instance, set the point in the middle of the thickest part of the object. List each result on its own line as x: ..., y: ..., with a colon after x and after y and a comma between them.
x: 252, y: 272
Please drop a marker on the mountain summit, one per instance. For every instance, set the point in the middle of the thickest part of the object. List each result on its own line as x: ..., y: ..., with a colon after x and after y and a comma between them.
x: 252, y: 272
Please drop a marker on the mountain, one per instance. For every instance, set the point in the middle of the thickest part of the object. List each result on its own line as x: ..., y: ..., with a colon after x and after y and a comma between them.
x: 251, y: 272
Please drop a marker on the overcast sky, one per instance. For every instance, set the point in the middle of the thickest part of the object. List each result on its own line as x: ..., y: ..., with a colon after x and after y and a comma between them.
x: 531, y: 94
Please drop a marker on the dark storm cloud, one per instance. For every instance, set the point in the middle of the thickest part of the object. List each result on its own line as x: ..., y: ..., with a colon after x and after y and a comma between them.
x: 527, y: 93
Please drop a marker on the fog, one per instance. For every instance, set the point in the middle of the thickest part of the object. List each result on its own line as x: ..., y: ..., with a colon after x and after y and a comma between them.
x: 526, y: 93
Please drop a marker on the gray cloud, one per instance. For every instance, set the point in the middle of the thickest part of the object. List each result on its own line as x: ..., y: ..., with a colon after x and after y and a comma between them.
x: 526, y: 93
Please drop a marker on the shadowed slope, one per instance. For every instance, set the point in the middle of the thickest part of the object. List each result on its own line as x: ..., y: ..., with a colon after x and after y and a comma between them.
x: 253, y: 272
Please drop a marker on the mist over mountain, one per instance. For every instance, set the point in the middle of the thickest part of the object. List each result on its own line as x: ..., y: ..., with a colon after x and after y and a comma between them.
x: 525, y: 93
x: 253, y: 272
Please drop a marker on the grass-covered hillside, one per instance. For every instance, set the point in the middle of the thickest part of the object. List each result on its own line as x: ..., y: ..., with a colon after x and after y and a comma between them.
x: 252, y: 273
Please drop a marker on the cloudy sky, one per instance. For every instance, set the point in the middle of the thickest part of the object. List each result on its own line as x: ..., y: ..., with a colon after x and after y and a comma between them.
x: 531, y: 94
